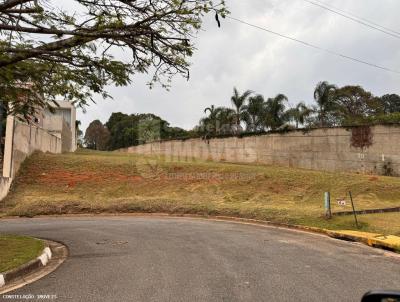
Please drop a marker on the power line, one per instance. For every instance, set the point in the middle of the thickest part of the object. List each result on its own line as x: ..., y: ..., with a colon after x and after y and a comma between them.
x: 356, y: 19
x: 315, y: 46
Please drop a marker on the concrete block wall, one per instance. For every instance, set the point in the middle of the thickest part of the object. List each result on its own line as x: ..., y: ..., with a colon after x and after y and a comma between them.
x: 327, y: 149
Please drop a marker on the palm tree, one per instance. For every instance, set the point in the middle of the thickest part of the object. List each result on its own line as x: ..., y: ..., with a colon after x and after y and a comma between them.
x: 226, y: 120
x: 209, y: 122
x: 255, y: 111
x: 239, y: 101
x: 221, y: 120
x: 299, y: 114
x: 210, y: 109
x: 324, y: 96
x: 275, y: 111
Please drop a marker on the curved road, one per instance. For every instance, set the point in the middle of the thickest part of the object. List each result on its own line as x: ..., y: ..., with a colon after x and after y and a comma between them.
x: 182, y: 259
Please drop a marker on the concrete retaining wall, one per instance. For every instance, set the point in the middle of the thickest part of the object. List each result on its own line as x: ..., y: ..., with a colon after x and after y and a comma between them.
x: 328, y: 149
x: 5, y: 184
x: 28, y: 139
x: 21, y: 141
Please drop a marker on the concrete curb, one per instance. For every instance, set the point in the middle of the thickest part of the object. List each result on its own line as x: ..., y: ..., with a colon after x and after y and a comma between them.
x: 27, y: 268
x: 387, y: 242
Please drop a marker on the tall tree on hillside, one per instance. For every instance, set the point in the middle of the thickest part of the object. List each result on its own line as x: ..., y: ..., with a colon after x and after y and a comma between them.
x: 255, y: 113
x: 275, y: 111
x: 354, y: 105
x: 239, y: 101
x: 390, y: 103
x: 324, y: 96
x: 131, y: 130
x: 70, y: 51
x: 97, y: 136
x: 123, y: 130
x: 299, y: 114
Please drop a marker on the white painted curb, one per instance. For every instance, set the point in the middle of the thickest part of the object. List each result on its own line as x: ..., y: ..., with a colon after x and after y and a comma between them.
x: 48, y: 252
x: 43, y: 258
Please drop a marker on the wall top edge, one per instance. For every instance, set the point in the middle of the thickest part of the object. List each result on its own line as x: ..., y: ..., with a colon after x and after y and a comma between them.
x: 297, y: 132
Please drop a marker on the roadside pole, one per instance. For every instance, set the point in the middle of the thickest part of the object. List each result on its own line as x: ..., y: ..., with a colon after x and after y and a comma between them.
x: 354, y: 210
x: 328, y: 212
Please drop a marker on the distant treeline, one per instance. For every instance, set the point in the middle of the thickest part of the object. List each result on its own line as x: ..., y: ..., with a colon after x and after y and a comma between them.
x: 123, y: 130
x: 251, y: 113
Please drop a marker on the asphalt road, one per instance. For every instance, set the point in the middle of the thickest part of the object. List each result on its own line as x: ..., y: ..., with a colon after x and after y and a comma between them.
x: 181, y: 259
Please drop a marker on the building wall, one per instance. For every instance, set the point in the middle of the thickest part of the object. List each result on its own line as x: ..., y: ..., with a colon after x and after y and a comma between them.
x: 54, y: 122
x: 66, y: 138
x: 329, y: 149
x: 62, y: 130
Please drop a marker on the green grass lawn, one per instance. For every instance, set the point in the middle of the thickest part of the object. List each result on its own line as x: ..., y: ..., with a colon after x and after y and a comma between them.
x: 18, y: 250
x: 111, y: 182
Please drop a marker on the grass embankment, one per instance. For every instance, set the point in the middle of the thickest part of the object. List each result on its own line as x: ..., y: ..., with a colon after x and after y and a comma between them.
x: 98, y: 182
x: 18, y: 250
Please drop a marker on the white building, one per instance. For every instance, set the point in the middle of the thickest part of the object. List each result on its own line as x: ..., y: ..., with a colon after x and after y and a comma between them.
x: 61, y: 123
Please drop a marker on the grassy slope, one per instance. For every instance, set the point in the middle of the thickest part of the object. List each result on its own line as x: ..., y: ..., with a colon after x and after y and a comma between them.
x: 17, y: 250
x: 115, y: 182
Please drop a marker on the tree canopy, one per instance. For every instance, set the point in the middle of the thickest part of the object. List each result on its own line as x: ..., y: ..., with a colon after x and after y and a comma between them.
x: 134, y: 129
x: 349, y: 105
x: 97, y: 136
x: 71, y: 51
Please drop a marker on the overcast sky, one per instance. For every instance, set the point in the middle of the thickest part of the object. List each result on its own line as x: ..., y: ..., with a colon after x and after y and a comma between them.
x: 248, y: 58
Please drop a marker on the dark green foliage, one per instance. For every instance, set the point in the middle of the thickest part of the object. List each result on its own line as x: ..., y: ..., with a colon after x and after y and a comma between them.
x: 324, y: 97
x: 335, y: 106
x: 220, y: 121
x: 299, y: 114
x: 69, y: 53
x: 275, y: 112
x: 353, y: 105
x: 390, y: 103
x: 239, y: 102
x: 254, y: 117
x: 97, y: 136
x: 131, y: 130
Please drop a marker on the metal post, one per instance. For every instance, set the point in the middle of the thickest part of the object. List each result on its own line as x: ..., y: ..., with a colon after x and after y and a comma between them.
x: 354, y: 210
x: 328, y: 212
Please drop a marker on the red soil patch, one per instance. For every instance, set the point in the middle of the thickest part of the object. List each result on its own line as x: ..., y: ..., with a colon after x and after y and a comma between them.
x: 71, y: 179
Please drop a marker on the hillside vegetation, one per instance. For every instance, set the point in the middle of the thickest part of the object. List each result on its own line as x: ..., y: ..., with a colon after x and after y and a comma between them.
x: 111, y: 182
